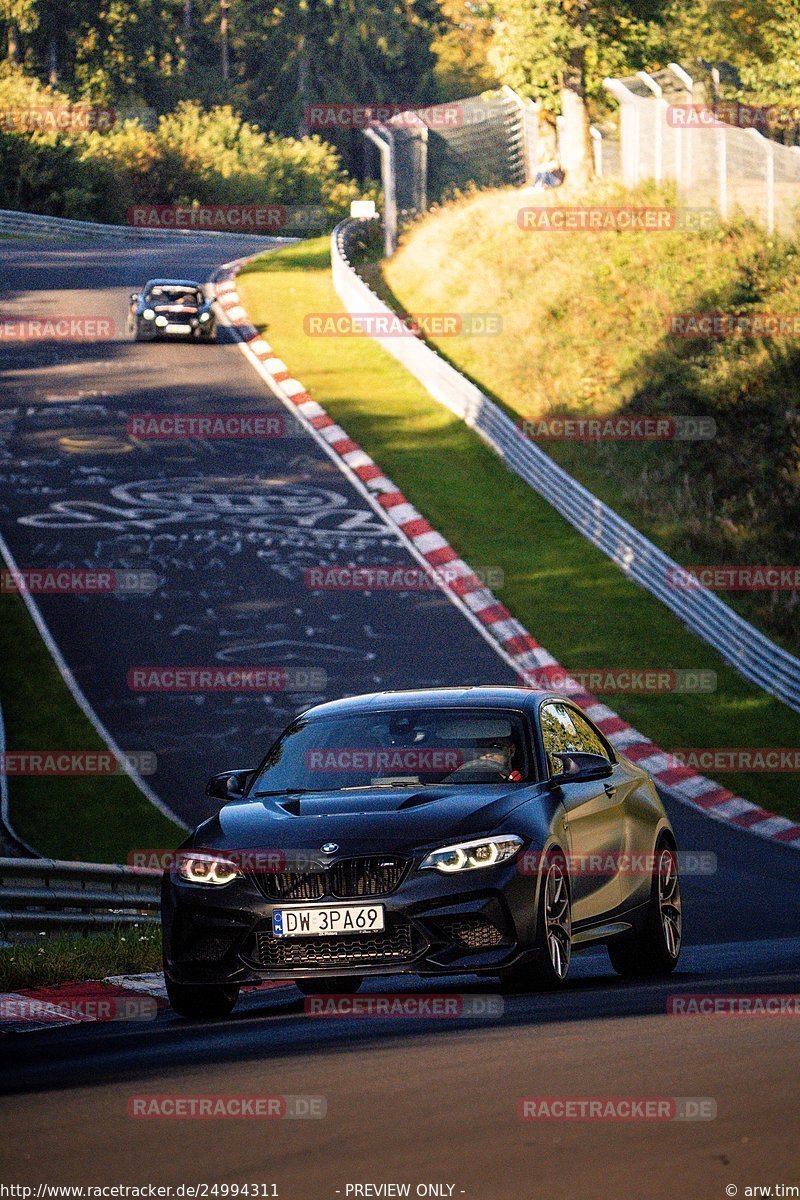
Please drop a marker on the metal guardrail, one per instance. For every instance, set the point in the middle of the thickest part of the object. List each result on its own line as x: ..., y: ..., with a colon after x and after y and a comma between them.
x: 746, y: 648
x: 38, y: 225
x: 48, y: 895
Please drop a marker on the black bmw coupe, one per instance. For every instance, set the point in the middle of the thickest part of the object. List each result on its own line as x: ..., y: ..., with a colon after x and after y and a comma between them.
x: 484, y: 830
x: 171, y: 308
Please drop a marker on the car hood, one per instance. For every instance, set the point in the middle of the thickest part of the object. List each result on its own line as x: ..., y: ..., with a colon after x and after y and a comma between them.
x: 362, y: 822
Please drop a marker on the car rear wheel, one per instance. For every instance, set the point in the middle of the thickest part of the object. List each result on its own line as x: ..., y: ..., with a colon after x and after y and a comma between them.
x: 338, y: 985
x: 202, y: 1000
x: 554, y: 935
x: 656, y: 948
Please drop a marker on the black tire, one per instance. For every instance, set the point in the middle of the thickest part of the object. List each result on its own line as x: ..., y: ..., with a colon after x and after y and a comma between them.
x: 654, y: 950
x: 202, y: 1000
x: 553, y: 934
x: 336, y: 985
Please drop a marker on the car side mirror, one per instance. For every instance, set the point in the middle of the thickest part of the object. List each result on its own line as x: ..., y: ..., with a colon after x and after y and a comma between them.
x: 582, y: 768
x: 228, y: 785
x: 134, y: 297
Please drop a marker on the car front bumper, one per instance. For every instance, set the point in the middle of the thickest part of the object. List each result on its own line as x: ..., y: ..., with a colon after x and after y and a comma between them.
x: 435, y: 925
x: 181, y: 331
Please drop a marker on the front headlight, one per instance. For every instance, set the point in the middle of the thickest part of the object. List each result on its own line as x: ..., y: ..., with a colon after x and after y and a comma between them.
x: 161, y: 320
x: 195, y: 866
x: 470, y: 856
x: 149, y: 314
x: 205, y: 316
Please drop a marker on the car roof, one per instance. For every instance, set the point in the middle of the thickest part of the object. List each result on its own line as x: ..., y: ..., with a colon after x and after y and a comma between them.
x: 511, y: 698
x: 173, y: 283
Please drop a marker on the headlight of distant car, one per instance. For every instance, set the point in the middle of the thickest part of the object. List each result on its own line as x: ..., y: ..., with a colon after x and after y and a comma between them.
x: 205, y: 316
x: 161, y: 320
x: 199, y: 867
x: 148, y: 314
x: 470, y: 856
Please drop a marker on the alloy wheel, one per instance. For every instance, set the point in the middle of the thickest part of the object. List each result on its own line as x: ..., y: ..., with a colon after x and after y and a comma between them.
x: 669, y: 901
x: 558, y: 919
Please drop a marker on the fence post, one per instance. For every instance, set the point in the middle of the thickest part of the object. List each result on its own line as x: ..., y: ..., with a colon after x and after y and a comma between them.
x: 559, y: 129
x: 655, y: 88
x: 597, y: 146
x: 628, y: 129
x: 386, y: 150
x: 683, y: 171
x: 769, y: 176
x: 530, y: 117
x: 423, y: 168
x: 529, y: 125
x: 722, y: 169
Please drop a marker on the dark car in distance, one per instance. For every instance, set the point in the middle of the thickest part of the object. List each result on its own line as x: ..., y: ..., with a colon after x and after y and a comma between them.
x: 171, y: 308
x: 481, y: 830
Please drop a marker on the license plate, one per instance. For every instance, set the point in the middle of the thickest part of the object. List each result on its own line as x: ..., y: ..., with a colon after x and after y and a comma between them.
x: 328, y: 921
x: 177, y: 328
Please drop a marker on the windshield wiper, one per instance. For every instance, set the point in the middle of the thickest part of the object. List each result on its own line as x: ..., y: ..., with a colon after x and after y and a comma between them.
x: 374, y: 787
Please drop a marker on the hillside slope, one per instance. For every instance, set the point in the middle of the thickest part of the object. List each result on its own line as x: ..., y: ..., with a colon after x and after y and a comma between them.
x: 585, y: 332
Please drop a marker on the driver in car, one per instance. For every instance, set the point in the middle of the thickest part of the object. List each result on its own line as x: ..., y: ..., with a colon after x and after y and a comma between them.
x: 493, y: 758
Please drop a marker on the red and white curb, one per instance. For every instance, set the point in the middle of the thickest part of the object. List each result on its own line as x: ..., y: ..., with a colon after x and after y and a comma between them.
x: 509, y: 637
x: 118, y: 998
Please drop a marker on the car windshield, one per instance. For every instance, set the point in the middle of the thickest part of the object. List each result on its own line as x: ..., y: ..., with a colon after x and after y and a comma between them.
x: 409, y: 748
x: 164, y: 293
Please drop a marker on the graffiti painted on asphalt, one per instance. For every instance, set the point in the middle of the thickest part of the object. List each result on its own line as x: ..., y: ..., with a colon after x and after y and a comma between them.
x: 243, y: 504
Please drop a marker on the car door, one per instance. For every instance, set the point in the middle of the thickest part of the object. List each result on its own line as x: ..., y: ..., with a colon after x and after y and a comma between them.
x: 595, y: 819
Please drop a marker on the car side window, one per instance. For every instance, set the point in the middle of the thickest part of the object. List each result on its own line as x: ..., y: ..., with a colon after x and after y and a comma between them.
x: 559, y: 735
x: 590, y: 740
x: 564, y: 731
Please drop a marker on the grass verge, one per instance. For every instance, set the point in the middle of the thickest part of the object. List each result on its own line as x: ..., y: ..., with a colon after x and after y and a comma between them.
x: 71, y: 958
x: 568, y: 594
x: 88, y: 818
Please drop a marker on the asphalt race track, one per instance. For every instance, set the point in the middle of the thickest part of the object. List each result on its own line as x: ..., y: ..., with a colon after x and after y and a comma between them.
x: 230, y: 529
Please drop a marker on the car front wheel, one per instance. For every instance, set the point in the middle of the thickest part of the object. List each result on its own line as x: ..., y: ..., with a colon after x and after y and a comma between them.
x: 202, y: 1000
x: 655, y: 949
x: 554, y: 936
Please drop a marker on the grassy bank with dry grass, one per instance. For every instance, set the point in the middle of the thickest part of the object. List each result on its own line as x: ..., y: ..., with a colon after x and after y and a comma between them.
x: 585, y: 332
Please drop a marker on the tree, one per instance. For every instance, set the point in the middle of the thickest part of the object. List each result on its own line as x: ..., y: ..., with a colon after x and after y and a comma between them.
x: 19, y: 17
x: 558, y: 51
x: 462, y: 50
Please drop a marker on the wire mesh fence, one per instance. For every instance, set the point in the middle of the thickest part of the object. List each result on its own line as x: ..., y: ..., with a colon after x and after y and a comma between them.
x: 428, y: 154
x: 670, y: 130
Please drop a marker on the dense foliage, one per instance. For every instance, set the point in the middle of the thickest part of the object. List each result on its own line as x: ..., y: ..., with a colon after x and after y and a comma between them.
x: 192, y: 155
